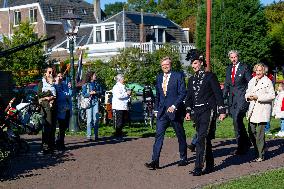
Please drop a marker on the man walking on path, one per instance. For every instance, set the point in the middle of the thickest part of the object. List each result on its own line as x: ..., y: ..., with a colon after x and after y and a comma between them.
x: 237, y: 77
x: 170, y: 87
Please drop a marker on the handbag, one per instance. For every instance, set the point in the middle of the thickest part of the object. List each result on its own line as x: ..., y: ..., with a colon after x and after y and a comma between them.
x: 85, y: 103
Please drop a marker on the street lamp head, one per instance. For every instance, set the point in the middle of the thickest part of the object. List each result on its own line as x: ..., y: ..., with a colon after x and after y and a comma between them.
x: 71, y: 23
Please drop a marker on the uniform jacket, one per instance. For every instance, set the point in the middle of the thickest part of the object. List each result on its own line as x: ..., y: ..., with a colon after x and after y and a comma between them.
x: 175, y: 95
x: 260, y: 110
x: 278, y: 103
x: 238, y: 89
x: 209, y: 96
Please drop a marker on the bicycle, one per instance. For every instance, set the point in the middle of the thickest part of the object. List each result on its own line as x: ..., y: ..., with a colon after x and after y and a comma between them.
x: 148, y: 106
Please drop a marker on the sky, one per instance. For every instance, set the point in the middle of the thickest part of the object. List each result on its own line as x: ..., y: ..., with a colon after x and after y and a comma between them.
x: 103, y: 2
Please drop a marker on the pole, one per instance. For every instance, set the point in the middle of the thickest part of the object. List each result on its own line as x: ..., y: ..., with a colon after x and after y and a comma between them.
x: 74, y: 115
x: 208, y: 40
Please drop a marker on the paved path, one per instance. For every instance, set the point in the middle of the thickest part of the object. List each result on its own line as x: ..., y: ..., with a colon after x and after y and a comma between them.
x: 110, y: 164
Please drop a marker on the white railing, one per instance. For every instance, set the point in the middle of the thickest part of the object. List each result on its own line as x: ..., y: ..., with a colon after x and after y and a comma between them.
x: 152, y: 46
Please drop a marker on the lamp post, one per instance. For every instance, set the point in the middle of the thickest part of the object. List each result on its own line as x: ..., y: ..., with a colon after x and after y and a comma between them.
x: 71, y: 25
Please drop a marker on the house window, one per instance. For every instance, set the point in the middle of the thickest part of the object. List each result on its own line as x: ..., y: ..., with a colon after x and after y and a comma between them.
x: 84, y: 11
x: 50, y: 9
x: 17, y: 18
x: 98, y: 34
x: 109, y: 33
x: 33, y: 15
x: 160, y: 35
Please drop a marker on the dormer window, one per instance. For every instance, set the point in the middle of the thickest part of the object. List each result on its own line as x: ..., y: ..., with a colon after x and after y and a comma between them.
x: 33, y: 15
x: 17, y: 17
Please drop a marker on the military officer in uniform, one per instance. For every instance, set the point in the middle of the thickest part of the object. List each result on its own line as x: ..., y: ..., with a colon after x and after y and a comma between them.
x: 203, y: 101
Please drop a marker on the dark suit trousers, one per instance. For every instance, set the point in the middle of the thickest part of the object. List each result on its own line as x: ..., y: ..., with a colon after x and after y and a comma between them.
x: 241, y: 134
x: 204, y: 121
x: 162, y: 125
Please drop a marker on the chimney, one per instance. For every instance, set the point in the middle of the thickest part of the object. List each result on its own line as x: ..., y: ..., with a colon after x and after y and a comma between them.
x: 97, y: 10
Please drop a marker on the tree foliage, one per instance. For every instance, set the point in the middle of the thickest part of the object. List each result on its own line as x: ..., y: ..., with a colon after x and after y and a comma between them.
x: 274, y: 14
x: 177, y: 11
x: 239, y: 25
x: 146, y: 5
x: 137, y: 67
x: 23, y: 62
x: 114, y: 8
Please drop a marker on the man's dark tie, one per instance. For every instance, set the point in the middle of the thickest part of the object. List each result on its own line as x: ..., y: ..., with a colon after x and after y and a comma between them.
x: 233, y: 74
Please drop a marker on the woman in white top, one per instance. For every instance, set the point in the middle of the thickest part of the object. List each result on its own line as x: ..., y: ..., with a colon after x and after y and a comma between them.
x: 120, y: 98
x: 260, y: 94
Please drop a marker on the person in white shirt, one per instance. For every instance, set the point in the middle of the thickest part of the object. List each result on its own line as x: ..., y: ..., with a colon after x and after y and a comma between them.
x: 120, y: 98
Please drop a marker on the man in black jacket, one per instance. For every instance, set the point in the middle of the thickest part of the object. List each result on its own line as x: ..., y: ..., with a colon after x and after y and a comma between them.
x: 204, y: 98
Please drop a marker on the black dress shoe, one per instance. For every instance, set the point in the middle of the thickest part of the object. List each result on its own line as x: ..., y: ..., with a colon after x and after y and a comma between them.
x: 182, y: 163
x: 197, y: 172
x: 191, y: 147
x: 208, y: 170
x: 152, y: 165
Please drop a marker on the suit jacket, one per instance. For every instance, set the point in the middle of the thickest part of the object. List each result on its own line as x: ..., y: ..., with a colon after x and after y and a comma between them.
x: 235, y: 93
x: 209, y: 95
x: 175, y: 95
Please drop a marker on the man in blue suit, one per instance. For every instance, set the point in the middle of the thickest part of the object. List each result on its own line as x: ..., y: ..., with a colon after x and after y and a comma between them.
x: 169, y: 108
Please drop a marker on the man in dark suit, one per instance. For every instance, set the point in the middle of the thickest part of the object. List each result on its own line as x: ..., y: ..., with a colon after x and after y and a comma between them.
x: 169, y: 108
x: 204, y: 99
x: 237, y: 77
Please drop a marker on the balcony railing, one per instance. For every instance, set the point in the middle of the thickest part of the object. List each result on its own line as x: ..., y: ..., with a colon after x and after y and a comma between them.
x: 152, y: 46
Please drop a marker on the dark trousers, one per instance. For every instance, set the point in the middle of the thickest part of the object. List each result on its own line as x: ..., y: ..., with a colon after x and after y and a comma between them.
x: 119, y: 121
x: 162, y: 124
x: 242, y: 138
x: 205, y: 123
x: 63, y: 126
x: 257, y: 137
x: 49, y: 129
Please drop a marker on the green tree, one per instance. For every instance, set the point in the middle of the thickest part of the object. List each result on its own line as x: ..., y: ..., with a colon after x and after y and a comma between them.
x: 146, y: 5
x: 114, y: 8
x: 274, y: 14
x: 239, y: 25
x: 23, y: 62
x: 137, y: 67
x: 177, y: 11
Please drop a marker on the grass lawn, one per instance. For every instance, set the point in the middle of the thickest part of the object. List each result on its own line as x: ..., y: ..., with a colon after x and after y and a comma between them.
x: 224, y: 129
x: 271, y: 179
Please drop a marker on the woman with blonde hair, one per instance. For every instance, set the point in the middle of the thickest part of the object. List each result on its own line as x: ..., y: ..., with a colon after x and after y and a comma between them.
x: 260, y: 94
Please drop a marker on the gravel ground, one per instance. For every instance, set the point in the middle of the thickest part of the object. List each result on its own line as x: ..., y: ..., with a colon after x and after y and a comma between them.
x: 110, y: 164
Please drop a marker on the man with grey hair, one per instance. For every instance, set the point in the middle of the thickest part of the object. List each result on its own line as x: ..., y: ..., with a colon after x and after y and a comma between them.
x: 120, y: 97
x: 237, y: 77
